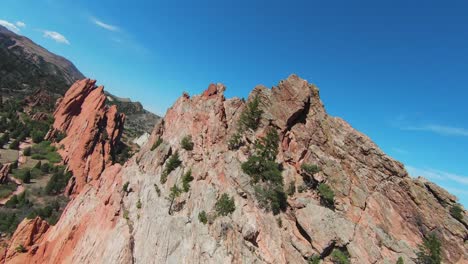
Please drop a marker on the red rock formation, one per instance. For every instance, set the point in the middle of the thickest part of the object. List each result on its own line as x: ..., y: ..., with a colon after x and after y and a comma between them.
x: 380, y: 212
x: 23, y: 243
x: 92, y: 131
x: 39, y: 98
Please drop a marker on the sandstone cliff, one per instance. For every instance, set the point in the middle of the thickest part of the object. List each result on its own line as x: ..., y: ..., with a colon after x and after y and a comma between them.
x: 90, y: 131
x: 124, y: 215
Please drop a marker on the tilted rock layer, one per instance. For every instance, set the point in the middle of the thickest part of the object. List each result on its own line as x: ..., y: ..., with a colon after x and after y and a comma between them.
x: 92, y: 132
x: 381, y: 213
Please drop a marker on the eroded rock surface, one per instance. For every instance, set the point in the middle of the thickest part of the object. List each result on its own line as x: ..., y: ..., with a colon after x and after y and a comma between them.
x: 380, y: 212
x: 92, y: 131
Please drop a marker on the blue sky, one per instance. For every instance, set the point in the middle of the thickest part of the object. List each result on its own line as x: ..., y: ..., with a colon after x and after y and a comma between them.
x: 396, y: 70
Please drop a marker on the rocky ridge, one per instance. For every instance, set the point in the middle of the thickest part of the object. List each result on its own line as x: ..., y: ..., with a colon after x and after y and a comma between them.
x: 124, y: 216
x: 90, y: 130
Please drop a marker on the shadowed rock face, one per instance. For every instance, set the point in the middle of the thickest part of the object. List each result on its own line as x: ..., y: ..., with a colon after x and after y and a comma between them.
x: 92, y: 132
x: 380, y: 212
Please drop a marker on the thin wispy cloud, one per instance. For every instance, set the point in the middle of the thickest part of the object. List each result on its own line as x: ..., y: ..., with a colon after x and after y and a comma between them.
x: 9, y: 26
x: 20, y: 24
x: 400, y: 151
x: 57, y: 37
x: 434, y: 174
x: 103, y: 25
x: 439, y: 129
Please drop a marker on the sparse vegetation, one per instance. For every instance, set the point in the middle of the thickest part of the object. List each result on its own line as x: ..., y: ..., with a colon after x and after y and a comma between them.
x: 187, y: 143
x: 125, y: 187
x: 340, y: 257
x: 8, y: 222
x: 310, y: 168
x: 235, y: 142
x: 46, y: 151
x: 171, y: 165
x: 266, y: 174
x: 6, y: 189
x: 20, y: 249
x: 314, y: 259
x: 14, y: 144
x: 27, y: 177
x: 158, y: 191
x: 175, y: 192
x: 156, y: 144
x: 430, y: 250
x: 58, y: 181
x: 202, y: 217
x: 308, y: 172
x: 400, y: 261
x: 327, y: 196
x: 292, y: 188
x: 186, y: 179
x: 38, y: 136
x: 250, y: 117
x: 138, y: 204
x: 225, y: 205
x: 18, y: 201
x: 27, y: 151
x: 457, y: 212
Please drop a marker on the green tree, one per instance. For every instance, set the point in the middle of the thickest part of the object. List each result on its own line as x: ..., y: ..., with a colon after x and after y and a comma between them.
x: 27, y: 151
x: 171, y: 165
x: 430, y: 250
x: 266, y: 173
x: 45, y: 167
x: 37, y: 136
x: 14, y: 144
x: 202, y: 217
x: 400, y: 261
x: 250, y: 117
x: 27, y: 176
x: 125, y: 187
x: 186, y: 179
x: 225, y: 205
x: 187, y: 143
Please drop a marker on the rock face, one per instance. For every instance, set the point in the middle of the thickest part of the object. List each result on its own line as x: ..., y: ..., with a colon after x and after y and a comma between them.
x: 92, y: 132
x: 380, y: 212
x: 27, y: 235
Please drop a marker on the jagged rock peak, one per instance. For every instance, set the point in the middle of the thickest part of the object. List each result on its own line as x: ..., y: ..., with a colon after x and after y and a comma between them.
x: 135, y: 214
x: 92, y: 130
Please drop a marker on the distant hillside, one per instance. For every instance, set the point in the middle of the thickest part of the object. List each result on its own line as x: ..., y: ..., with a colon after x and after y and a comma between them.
x: 26, y: 67
x: 29, y: 71
x: 138, y: 119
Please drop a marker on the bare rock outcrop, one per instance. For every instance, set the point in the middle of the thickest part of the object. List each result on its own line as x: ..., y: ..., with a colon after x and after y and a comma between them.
x: 4, y: 170
x: 125, y: 216
x: 24, y: 243
x: 92, y: 131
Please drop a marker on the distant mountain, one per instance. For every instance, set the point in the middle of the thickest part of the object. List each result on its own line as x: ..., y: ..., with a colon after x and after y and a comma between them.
x: 29, y: 71
x: 26, y: 67
x: 138, y: 121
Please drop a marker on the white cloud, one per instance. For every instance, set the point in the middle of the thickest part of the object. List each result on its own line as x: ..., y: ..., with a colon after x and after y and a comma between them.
x: 104, y: 25
x: 56, y: 36
x: 439, y: 129
x: 437, y: 175
x: 9, y: 25
x: 20, y: 24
